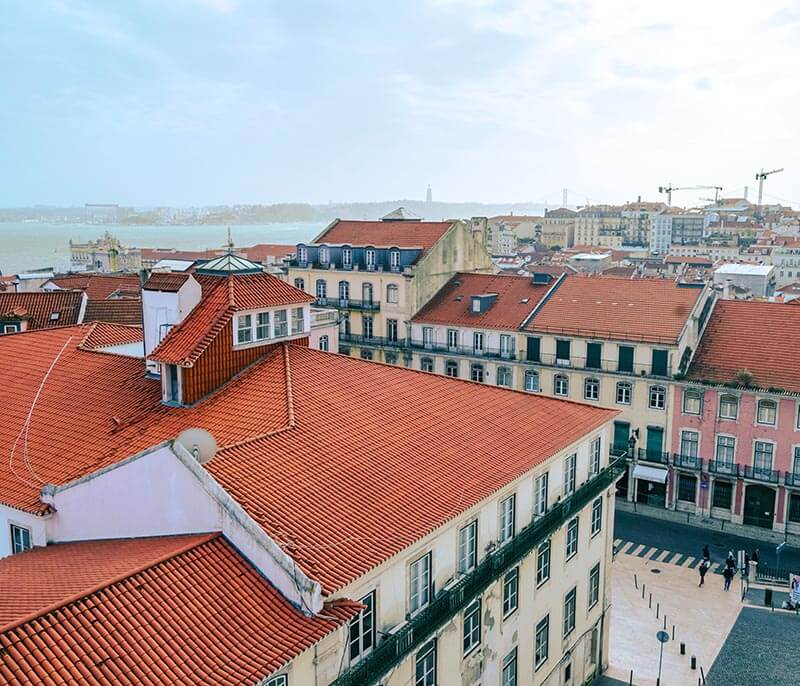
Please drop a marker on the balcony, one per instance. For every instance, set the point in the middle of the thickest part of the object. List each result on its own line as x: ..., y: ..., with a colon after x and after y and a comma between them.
x: 439, y: 348
x: 688, y: 462
x: 770, y: 476
x: 604, y: 365
x: 349, y: 304
x: 791, y: 479
x: 656, y: 456
x: 323, y: 317
x: 401, y: 644
x: 374, y: 341
x: 723, y: 467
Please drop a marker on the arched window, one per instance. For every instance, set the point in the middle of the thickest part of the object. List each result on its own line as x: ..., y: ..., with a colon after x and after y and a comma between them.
x: 624, y: 392
x: 504, y: 376
x: 322, y: 289
x: 531, y: 380
x: 476, y: 372
x: 767, y: 412
x: 300, y: 283
x: 302, y: 254
x: 344, y: 290
x: 692, y: 401
x: 591, y: 389
x: 347, y: 257
x: 366, y: 293
x: 394, y: 260
x: 344, y: 324
x: 658, y: 397
x: 324, y: 254
x: 392, y: 294
x: 324, y: 344
x: 451, y: 368
x: 561, y: 384
x: 369, y: 258
x: 426, y: 364
x: 728, y: 407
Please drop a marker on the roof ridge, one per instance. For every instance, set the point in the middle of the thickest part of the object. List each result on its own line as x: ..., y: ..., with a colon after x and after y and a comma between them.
x: 85, y: 593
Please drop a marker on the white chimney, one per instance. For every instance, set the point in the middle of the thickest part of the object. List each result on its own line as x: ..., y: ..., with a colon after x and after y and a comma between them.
x: 726, y: 290
x: 165, y: 303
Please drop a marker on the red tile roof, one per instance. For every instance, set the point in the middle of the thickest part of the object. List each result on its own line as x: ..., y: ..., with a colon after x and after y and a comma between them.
x: 98, y: 286
x: 101, y: 335
x: 115, y: 311
x: 169, y: 282
x: 402, y: 234
x: 156, y: 254
x: 651, y: 310
x: 759, y: 337
x: 314, y: 426
x: 175, y: 610
x: 262, y: 252
x: 38, y: 308
x: 680, y: 259
x: 452, y: 304
x: 222, y: 297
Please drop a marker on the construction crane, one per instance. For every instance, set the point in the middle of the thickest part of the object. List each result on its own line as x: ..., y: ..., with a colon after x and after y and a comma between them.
x: 761, y: 177
x: 668, y: 190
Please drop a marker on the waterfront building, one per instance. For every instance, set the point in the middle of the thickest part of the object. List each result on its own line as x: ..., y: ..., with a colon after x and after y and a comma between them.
x: 736, y: 433
x: 327, y: 520
x: 106, y: 254
x: 378, y: 274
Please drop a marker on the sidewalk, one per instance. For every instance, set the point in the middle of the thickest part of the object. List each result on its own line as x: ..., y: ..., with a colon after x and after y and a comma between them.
x: 703, y: 618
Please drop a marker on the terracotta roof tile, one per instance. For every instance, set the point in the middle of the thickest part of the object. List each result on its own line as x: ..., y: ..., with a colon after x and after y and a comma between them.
x: 115, y: 311
x: 651, y: 310
x: 262, y: 252
x: 176, y: 610
x: 169, y: 282
x: 452, y: 304
x: 101, y: 335
x: 385, y: 234
x: 759, y: 337
x: 97, y: 286
x: 39, y: 307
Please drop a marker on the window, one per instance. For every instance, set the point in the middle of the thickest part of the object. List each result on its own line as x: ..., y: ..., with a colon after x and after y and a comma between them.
x: 543, y: 563
x: 594, y: 353
x: 594, y: 585
x: 366, y: 354
x: 624, y: 392
x: 722, y: 497
x: 244, y: 331
x: 692, y: 402
x: 767, y: 412
x: 451, y: 368
x: 690, y: 443
x: 533, y: 349
x: 302, y: 253
x: 427, y: 336
x: 569, y: 612
x: 510, y: 592
x: 280, y: 680
x: 625, y: 359
x: 468, y: 547
x: 426, y: 364
x: 796, y: 463
x: 531, y: 380
x: 572, y: 537
x: 728, y: 407
x: 509, y: 676
x: 366, y: 293
x: 506, y: 346
x: 726, y: 447
x: 391, y: 330
x: 658, y: 397
x: 425, y: 668
x: 347, y: 258
x: 394, y: 260
x: 561, y: 384
x: 300, y: 283
x: 594, y: 456
x: 476, y: 372
x: 540, y: 495
x: 762, y: 457
x: 597, y: 515
x: 452, y: 338
x: 297, y: 320
x: 562, y: 352
x: 660, y: 362
x: 503, y: 376
x: 472, y: 626
x: 20, y: 539
x: 591, y: 389
x: 507, y: 521
x: 324, y: 344
x: 390, y: 357
x: 362, y: 628
x: 477, y: 342
x: 344, y: 291
x: 366, y: 326
x: 419, y: 586
x: 569, y: 474
x: 324, y: 255
x: 687, y: 488
x: 322, y: 289
x: 262, y: 325
x: 281, y: 325
x: 369, y: 256
x: 392, y: 294
x: 542, y: 641
x: 794, y: 508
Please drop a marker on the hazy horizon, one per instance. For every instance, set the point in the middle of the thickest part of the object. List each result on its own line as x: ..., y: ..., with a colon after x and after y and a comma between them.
x: 224, y: 102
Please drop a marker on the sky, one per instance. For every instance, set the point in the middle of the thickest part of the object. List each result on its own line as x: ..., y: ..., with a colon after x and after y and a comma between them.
x: 200, y: 102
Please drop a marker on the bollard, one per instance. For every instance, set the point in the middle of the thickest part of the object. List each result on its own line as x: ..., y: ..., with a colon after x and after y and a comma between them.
x: 644, y: 586
x: 658, y: 608
x: 673, y: 632
x: 650, y: 602
x: 665, y: 622
x: 630, y: 682
x: 636, y: 582
x: 683, y: 647
x: 768, y: 597
x: 693, y: 663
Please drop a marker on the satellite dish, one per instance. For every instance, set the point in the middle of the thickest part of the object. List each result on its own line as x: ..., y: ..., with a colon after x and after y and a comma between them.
x: 199, y: 443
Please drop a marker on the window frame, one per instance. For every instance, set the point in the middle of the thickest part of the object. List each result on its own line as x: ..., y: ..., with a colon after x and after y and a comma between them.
x: 510, y: 592
x: 572, y: 538
x: 427, y: 364
x: 504, y: 377
x: 392, y: 294
x: 476, y: 369
x: 507, y: 525
x: 20, y: 546
x: 688, y: 393
x: 624, y: 386
x: 324, y: 343
x: 654, y: 392
x: 278, y: 680
x: 727, y: 398
x: 532, y: 374
x: 570, y: 474
x: 464, y: 565
x: 416, y: 590
x: 570, y: 608
x: 508, y: 671
x: 761, y: 402
x: 561, y: 381
x: 542, y: 627
x: 369, y: 611
x: 543, y: 562
x: 428, y: 676
x: 594, y: 587
x: 471, y: 627
x: 591, y: 388
x: 595, y: 455
x: 597, y: 516
x: 452, y: 365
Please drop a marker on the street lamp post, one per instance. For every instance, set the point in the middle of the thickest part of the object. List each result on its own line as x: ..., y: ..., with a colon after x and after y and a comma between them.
x: 662, y: 637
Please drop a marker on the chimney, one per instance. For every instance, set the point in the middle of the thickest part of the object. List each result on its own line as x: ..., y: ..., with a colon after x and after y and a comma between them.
x: 726, y: 290
x: 167, y: 298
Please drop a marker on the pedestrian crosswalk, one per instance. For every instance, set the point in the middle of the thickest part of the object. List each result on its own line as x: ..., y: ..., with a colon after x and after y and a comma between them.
x: 667, y: 557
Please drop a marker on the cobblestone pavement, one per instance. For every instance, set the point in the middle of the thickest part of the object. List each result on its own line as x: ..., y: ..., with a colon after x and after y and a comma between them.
x: 759, y: 651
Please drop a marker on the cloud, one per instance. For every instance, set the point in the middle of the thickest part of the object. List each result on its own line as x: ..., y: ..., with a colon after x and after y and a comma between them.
x: 221, y: 6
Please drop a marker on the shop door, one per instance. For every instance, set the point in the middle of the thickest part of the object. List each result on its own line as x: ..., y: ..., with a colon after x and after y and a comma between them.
x: 759, y: 506
x: 622, y: 431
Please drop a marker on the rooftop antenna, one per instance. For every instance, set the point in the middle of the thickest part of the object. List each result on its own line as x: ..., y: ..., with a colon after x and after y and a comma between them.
x: 199, y: 442
x: 229, y: 244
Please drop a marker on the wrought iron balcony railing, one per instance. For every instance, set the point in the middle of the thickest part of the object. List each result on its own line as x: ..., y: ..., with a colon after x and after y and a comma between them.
x: 762, y: 474
x: 417, y: 630
x: 648, y: 455
x: 688, y: 461
x: 723, y: 467
x: 792, y: 479
x: 349, y: 304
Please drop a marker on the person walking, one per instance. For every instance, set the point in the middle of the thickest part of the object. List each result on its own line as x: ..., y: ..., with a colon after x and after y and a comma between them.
x: 728, y: 576
x: 731, y: 561
x: 706, y: 552
x: 703, y: 568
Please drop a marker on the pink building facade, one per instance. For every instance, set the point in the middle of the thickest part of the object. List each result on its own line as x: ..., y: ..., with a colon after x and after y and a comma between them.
x: 736, y: 455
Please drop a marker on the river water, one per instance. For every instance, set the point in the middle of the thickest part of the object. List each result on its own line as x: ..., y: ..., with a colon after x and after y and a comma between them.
x: 26, y: 246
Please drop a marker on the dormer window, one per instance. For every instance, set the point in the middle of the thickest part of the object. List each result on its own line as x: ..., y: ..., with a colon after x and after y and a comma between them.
x: 347, y: 258
x: 297, y: 320
x: 369, y: 256
x: 302, y: 254
x: 262, y: 326
x: 324, y: 255
x: 281, y: 324
x: 394, y: 260
x: 244, y: 328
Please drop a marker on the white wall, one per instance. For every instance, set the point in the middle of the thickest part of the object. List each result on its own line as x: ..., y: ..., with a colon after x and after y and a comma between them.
x: 35, y: 524
x: 161, y: 307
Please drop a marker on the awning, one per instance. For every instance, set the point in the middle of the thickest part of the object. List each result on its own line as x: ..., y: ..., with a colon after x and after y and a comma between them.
x: 641, y: 471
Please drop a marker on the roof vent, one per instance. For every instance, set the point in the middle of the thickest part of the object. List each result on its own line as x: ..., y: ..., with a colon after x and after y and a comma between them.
x: 199, y: 442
